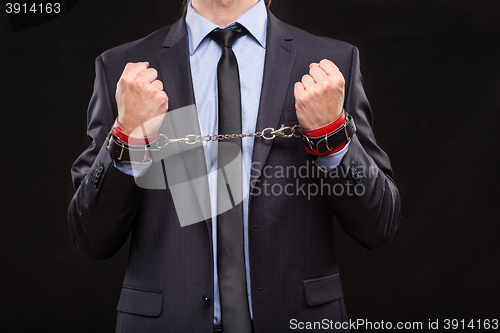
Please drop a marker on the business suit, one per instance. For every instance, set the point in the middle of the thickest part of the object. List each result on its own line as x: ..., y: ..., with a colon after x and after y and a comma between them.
x: 169, y: 280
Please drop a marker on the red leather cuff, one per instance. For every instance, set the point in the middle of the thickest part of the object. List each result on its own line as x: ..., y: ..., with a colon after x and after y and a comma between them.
x: 134, y: 141
x: 327, y: 129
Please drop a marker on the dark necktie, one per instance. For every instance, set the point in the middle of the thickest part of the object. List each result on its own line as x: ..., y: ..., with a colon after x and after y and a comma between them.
x: 230, y: 244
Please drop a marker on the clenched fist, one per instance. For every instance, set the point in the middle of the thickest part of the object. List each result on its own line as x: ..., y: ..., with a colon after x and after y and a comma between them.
x: 319, y: 97
x: 141, y: 100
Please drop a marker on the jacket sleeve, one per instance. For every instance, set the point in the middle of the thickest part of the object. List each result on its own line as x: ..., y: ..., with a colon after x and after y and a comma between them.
x: 365, y: 198
x: 102, y: 210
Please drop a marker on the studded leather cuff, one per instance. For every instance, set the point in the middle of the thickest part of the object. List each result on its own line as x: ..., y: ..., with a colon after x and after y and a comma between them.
x: 123, y: 151
x: 329, y: 143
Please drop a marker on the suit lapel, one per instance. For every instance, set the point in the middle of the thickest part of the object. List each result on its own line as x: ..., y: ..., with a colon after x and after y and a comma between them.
x: 174, y: 66
x: 175, y: 73
x: 278, y: 66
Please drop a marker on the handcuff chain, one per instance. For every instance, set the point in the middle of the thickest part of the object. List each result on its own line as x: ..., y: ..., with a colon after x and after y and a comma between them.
x: 267, y: 134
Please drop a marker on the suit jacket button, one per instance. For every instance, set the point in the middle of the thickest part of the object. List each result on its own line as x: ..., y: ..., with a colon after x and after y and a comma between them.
x: 355, y: 174
x: 97, y: 174
x: 206, y: 300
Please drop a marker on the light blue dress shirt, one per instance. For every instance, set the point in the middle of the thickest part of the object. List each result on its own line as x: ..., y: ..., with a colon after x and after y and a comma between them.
x: 250, y: 51
x: 204, y: 54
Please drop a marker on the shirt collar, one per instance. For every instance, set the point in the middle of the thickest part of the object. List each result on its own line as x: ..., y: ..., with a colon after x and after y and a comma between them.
x: 254, y: 20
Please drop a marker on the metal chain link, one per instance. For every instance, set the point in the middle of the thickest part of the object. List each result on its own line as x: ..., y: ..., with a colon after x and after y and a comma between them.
x: 268, y: 133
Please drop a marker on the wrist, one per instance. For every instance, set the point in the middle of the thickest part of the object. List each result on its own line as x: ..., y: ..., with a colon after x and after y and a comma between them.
x: 122, y: 151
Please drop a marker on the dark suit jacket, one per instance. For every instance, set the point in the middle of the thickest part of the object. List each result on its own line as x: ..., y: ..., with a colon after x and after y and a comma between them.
x: 294, y: 273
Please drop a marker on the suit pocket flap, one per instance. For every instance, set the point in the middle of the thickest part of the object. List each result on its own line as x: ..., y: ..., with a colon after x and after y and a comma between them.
x: 323, y: 290
x: 144, y: 303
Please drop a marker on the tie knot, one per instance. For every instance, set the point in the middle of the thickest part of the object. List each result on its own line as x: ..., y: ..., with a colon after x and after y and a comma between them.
x: 226, y: 37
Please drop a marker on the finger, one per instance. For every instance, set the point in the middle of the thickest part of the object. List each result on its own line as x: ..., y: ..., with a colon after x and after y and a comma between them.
x: 136, y: 68
x: 299, y: 86
x: 318, y: 74
x: 161, y: 98
x: 329, y: 67
x: 298, y: 89
x: 157, y: 84
x: 149, y: 75
x: 313, y: 64
x: 307, y: 81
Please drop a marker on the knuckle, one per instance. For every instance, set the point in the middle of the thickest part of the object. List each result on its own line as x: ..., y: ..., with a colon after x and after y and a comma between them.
x: 123, y: 83
x: 340, y: 81
x: 337, y: 80
x: 140, y: 83
x: 128, y: 78
x: 327, y: 85
x: 160, y: 97
x: 301, y: 99
x: 125, y: 77
x: 314, y: 91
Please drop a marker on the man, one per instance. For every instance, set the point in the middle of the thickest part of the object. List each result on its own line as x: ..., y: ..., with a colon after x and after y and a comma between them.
x: 281, y: 260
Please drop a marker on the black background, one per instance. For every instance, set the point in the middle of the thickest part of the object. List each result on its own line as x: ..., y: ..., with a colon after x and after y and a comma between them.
x: 432, y: 76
